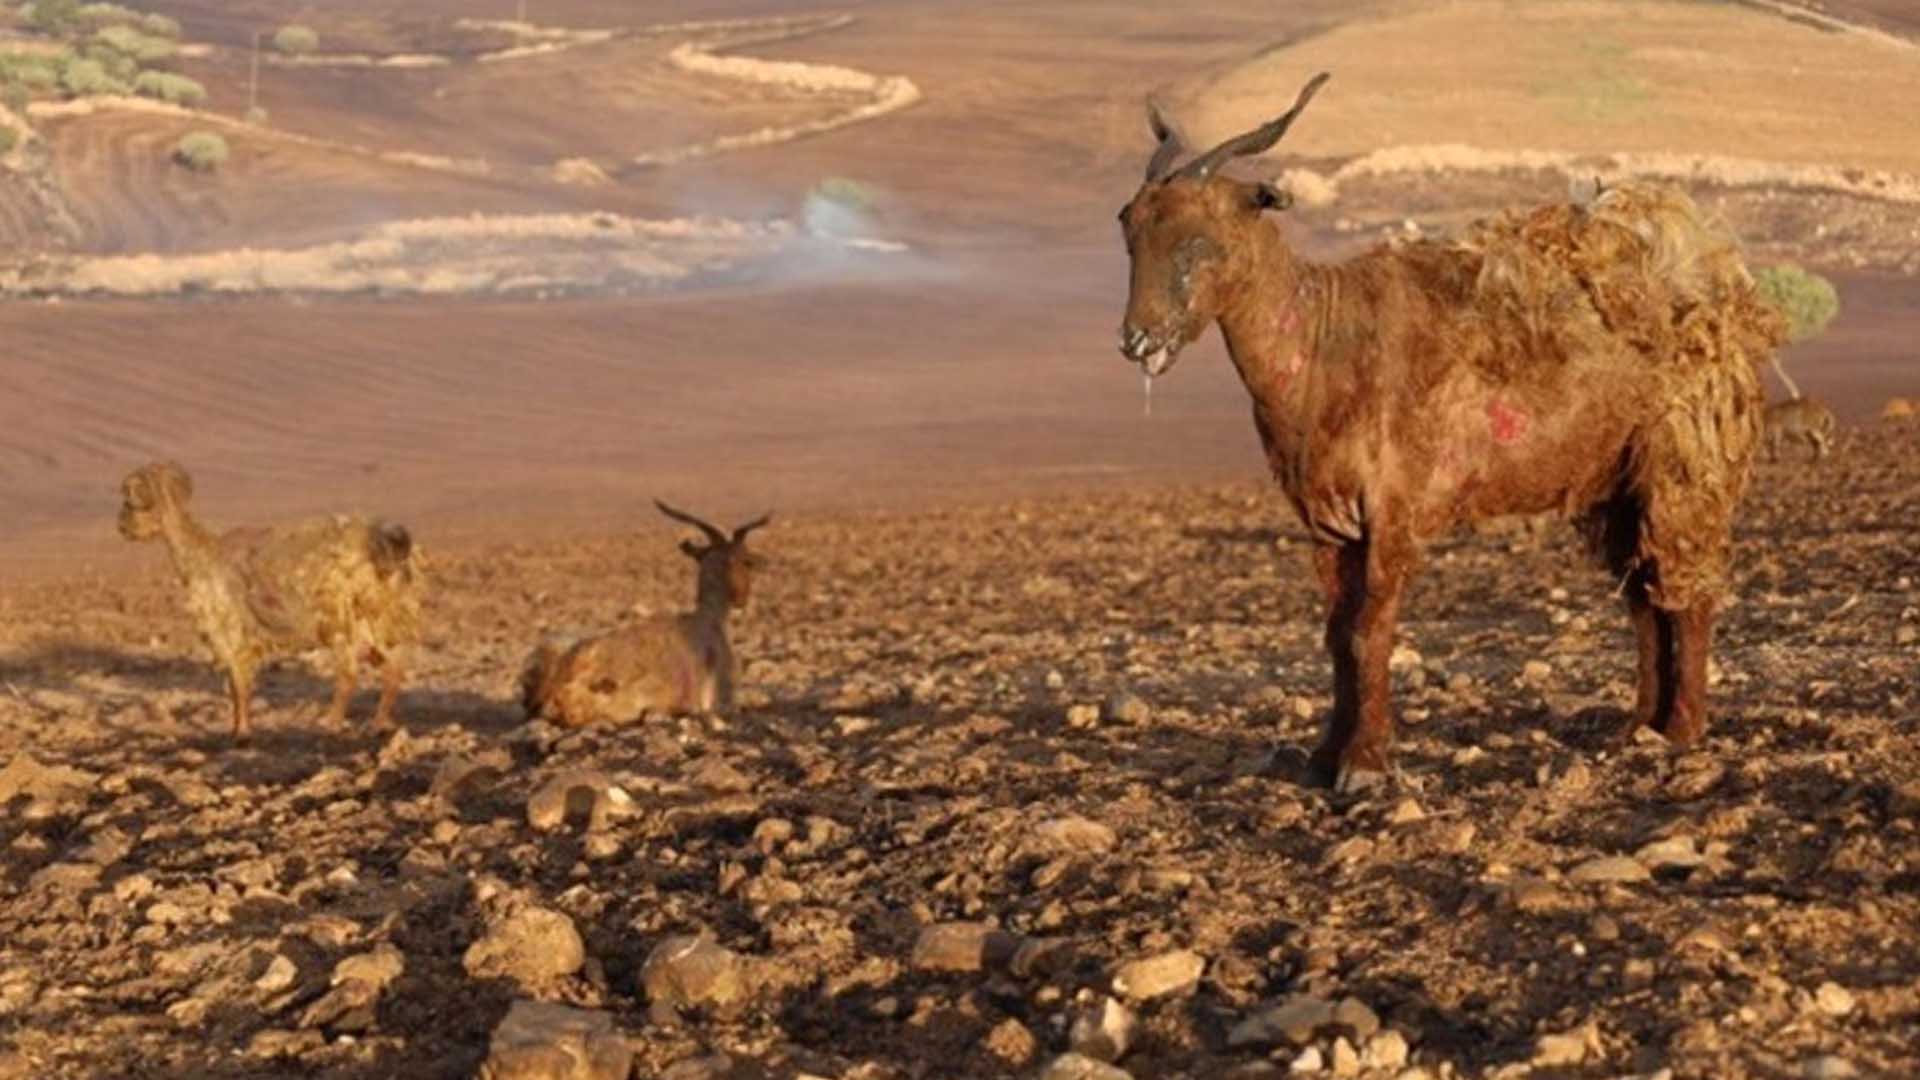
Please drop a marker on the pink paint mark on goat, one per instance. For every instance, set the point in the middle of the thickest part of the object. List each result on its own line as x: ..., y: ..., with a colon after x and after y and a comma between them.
x: 1508, y: 423
x: 1298, y: 361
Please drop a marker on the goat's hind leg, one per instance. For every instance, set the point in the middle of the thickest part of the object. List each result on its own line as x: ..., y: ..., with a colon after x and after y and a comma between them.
x: 1653, y: 645
x: 240, y: 695
x: 346, y: 677
x: 391, y: 672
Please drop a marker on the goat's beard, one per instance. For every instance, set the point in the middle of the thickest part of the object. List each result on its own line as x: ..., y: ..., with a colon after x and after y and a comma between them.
x: 1159, y: 362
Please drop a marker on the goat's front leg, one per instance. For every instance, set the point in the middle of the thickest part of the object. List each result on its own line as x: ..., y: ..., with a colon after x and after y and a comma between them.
x: 1342, y: 572
x: 240, y: 694
x: 346, y: 676
x: 1371, y: 577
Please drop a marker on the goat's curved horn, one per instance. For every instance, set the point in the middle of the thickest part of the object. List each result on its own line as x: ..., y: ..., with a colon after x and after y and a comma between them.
x: 1255, y: 141
x: 1169, y: 143
x: 740, y: 533
x: 713, y: 534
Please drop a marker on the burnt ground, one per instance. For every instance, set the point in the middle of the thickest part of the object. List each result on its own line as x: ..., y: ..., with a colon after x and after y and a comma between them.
x: 171, y: 906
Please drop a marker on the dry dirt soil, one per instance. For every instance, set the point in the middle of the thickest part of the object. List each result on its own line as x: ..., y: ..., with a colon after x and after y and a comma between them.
x: 1022, y: 656
x: 929, y: 694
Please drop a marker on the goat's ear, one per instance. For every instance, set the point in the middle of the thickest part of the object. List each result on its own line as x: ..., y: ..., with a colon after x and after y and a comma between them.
x: 1268, y: 197
x: 692, y: 550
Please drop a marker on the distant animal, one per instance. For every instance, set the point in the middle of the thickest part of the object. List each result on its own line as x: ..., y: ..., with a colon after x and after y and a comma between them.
x: 664, y: 663
x: 1800, y: 419
x: 351, y: 585
x: 1598, y: 360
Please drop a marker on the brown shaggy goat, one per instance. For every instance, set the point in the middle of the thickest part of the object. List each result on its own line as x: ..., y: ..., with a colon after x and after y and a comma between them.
x: 666, y: 663
x: 1598, y: 361
x: 1799, y: 419
x: 346, y: 584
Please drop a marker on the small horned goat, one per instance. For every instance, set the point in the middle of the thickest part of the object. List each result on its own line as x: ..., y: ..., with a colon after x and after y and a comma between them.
x: 346, y: 584
x: 664, y: 663
x: 1799, y: 419
x: 1597, y: 360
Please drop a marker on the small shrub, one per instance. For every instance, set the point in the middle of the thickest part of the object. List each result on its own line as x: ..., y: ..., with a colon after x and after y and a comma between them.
x: 82, y: 77
x: 201, y: 151
x: 142, y: 48
x: 1807, y: 300
x: 15, y: 97
x: 119, y: 67
x: 106, y: 15
x: 9, y: 138
x: 295, y: 40
x: 257, y: 115
x: 159, y: 25
x: 166, y: 86
x: 55, y: 17
x: 31, y: 71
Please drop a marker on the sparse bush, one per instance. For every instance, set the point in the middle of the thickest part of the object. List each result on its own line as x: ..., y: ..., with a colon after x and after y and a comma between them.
x: 201, y: 151
x: 1807, y: 300
x: 9, y: 138
x: 142, y: 48
x: 159, y: 25
x: 56, y: 17
x: 166, y: 86
x: 296, y: 40
x: 847, y: 192
x: 84, y: 77
x: 31, y: 71
x: 257, y: 115
x: 15, y: 97
x: 119, y: 67
x: 106, y: 15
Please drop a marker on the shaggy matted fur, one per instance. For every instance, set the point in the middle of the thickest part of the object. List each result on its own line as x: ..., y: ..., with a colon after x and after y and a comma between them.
x: 1594, y: 360
x: 665, y: 663
x: 346, y: 584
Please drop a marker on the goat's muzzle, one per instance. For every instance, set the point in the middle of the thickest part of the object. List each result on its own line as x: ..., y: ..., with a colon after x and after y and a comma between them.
x: 1145, y: 349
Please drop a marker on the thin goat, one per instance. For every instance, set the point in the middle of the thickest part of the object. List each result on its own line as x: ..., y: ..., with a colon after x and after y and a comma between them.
x: 1597, y: 360
x: 346, y: 584
x: 1799, y: 419
x: 665, y: 663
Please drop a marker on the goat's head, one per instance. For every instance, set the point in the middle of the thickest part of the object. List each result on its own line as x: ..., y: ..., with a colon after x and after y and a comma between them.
x: 1183, y: 232
x: 149, y: 495
x: 726, y: 566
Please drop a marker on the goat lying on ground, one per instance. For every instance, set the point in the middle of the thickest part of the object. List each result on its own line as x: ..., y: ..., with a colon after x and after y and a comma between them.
x: 345, y: 584
x: 1597, y: 360
x: 666, y: 663
x: 1799, y: 419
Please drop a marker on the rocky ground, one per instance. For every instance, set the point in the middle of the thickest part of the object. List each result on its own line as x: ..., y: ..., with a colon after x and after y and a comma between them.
x: 1013, y: 792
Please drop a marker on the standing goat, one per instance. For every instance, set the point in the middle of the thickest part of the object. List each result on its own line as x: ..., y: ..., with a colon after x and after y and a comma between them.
x: 345, y: 584
x: 1799, y: 419
x: 1598, y: 361
x: 665, y: 663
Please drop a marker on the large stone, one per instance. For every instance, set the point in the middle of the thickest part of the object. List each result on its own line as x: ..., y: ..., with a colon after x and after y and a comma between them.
x: 1157, y: 976
x: 1105, y: 1031
x: 532, y: 946
x: 1082, y: 1067
x: 540, y: 1041
x: 1614, y: 869
x: 585, y: 796
x: 1295, y: 1021
x: 684, y: 971
x: 963, y: 946
x: 1074, y: 835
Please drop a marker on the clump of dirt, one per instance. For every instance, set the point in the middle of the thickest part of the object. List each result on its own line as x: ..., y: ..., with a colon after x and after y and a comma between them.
x: 1069, y: 731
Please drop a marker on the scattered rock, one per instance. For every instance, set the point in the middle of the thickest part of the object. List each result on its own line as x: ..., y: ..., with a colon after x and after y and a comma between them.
x: 1536, y: 672
x: 532, y: 946
x: 280, y: 974
x: 1012, y: 1043
x: 1342, y: 1058
x: 1105, y: 1031
x: 1386, y: 1050
x: 357, y: 984
x: 1672, y: 851
x: 541, y: 1041
x: 1307, y: 1061
x: 963, y: 946
x: 1083, y: 716
x: 1157, y: 976
x: 1125, y: 707
x: 1354, y: 1015
x: 1609, y: 869
x: 1075, y: 835
x: 1829, y: 1067
x: 686, y: 971
x: 1833, y: 999
x: 1081, y: 1067
x: 1566, y: 1048
x: 583, y: 796
x: 1294, y: 1021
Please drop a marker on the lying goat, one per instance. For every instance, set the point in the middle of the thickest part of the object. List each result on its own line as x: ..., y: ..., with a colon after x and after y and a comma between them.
x: 666, y: 663
x: 1597, y: 360
x: 345, y: 584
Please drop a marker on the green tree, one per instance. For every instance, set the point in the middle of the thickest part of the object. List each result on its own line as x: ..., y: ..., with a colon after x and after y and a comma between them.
x: 1808, y: 300
x: 295, y: 40
x: 201, y: 151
